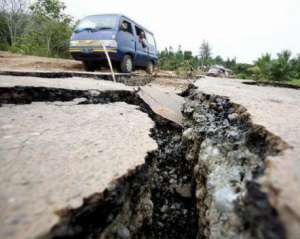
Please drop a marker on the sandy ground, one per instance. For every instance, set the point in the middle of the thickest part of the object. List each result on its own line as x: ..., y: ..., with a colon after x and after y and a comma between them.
x: 278, y: 109
x: 53, y: 155
x: 9, y: 61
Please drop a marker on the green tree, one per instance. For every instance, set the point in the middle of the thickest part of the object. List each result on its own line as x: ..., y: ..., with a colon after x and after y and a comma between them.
x: 183, y: 62
x: 230, y: 63
x: 218, y: 60
x: 171, y: 51
x: 179, y: 55
x: 282, y: 68
x: 13, y: 18
x: 243, y: 71
x: 50, y: 9
x: 205, y: 54
x: 49, y: 30
x: 296, y: 67
x: 4, y: 33
x: 264, y: 64
x: 188, y: 55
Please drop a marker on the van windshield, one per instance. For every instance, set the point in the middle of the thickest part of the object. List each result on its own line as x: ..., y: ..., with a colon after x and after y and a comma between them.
x: 96, y: 23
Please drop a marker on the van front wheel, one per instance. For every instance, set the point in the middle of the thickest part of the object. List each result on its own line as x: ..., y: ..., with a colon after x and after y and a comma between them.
x: 127, y: 64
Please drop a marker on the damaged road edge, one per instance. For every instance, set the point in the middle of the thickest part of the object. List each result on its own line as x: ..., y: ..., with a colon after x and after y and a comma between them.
x: 229, y: 154
x: 200, y: 183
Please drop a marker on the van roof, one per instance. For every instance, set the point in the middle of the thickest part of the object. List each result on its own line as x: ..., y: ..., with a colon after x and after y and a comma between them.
x: 122, y: 15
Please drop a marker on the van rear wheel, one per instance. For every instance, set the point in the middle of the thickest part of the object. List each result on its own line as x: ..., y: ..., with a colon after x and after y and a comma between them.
x: 150, y: 68
x: 127, y: 64
x: 89, y: 65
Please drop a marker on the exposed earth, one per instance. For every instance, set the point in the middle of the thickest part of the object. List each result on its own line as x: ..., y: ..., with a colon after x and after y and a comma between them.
x: 88, y: 158
x: 14, y: 61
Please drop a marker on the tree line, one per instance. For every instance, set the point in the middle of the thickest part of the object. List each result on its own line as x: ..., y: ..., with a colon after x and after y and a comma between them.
x: 283, y: 67
x: 184, y: 61
x: 41, y: 28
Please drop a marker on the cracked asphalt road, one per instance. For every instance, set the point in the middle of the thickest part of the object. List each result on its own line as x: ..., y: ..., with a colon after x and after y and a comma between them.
x: 55, y: 154
x: 47, y: 140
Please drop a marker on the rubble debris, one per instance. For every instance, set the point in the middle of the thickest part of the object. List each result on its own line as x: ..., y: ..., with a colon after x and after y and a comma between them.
x: 219, y: 71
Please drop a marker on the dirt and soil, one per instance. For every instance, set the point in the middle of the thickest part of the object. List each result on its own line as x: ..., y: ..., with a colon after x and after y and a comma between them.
x: 14, y: 61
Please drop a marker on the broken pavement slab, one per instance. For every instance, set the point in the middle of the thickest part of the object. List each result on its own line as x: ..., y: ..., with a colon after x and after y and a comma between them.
x: 165, y: 104
x: 277, y: 109
x: 55, y: 154
x: 74, y: 83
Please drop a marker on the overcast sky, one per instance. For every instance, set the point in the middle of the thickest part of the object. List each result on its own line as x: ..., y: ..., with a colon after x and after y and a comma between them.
x: 235, y: 28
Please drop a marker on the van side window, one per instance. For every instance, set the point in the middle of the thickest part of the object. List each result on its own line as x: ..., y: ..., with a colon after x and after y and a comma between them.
x: 142, y: 36
x: 126, y: 26
x: 138, y: 31
x: 150, y: 39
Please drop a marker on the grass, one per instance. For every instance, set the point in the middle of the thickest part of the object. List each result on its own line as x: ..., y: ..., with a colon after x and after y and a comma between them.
x: 294, y: 82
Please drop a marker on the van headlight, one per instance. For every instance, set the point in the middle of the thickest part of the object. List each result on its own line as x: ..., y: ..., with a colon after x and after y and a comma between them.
x: 110, y: 43
x: 74, y: 43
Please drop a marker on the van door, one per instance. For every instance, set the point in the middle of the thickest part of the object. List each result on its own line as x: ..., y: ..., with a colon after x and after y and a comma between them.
x: 151, y: 46
x: 126, y: 38
x: 142, y: 51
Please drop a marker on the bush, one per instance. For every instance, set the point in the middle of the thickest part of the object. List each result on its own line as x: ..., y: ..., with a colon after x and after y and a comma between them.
x: 242, y: 76
x: 180, y: 62
x: 4, y: 46
x: 282, y: 68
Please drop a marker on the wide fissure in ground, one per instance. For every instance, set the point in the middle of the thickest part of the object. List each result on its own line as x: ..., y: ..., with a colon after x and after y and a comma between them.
x: 199, y: 183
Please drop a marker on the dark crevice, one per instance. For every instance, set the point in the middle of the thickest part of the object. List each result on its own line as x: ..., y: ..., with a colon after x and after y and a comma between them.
x: 174, y: 212
x: 272, y: 83
x: 127, y: 79
x: 257, y: 214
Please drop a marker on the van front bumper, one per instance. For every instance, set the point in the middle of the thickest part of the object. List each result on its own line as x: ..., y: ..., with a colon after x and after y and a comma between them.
x: 93, y: 54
